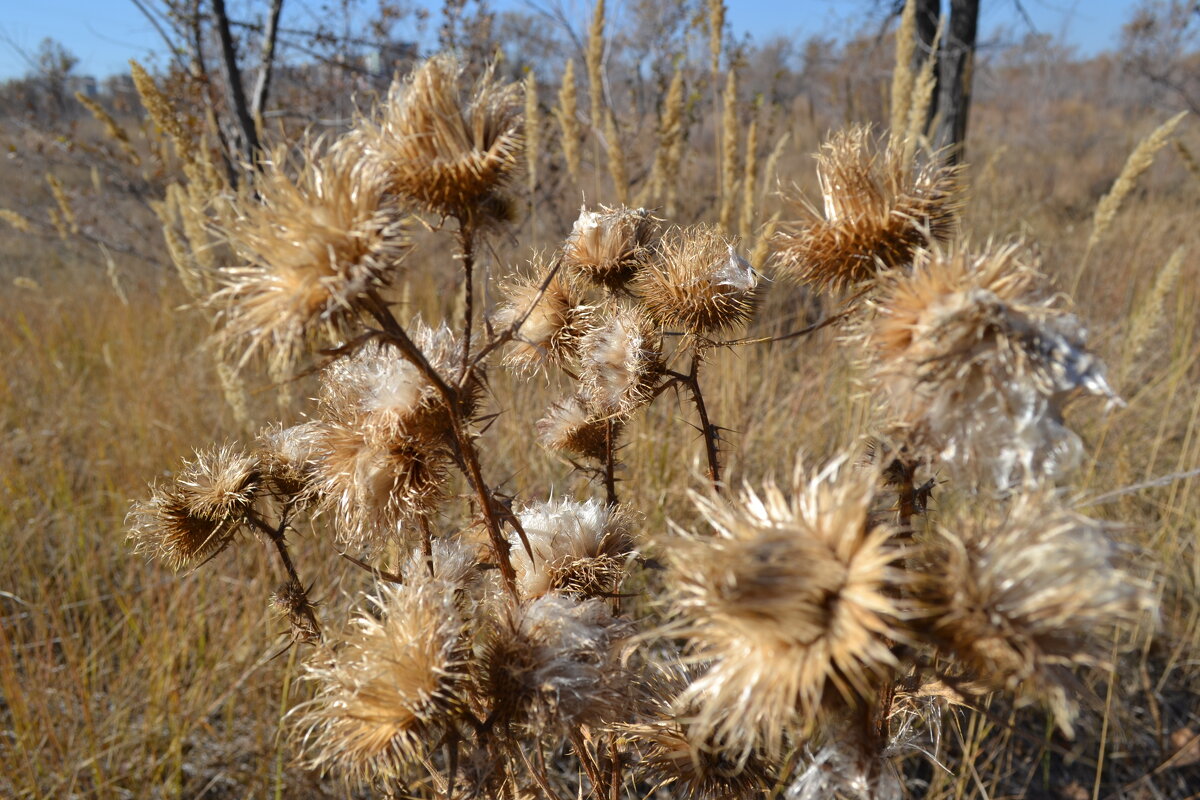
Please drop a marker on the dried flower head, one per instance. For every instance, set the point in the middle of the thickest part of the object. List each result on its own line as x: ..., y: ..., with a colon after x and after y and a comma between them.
x: 289, y: 457
x: 620, y: 361
x: 879, y: 209
x: 552, y: 318
x: 1017, y: 598
x: 290, y: 601
x: 609, y: 246
x: 446, y: 148
x: 386, y: 693
x: 197, y: 515
x: 377, y: 488
x: 578, y: 548
x: 390, y: 396
x: 978, y: 362
x: 552, y: 662
x: 843, y: 768
x: 312, y: 246
x: 670, y: 754
x: 698, y: 283
x: 793, y: 601
x: 571, y: 426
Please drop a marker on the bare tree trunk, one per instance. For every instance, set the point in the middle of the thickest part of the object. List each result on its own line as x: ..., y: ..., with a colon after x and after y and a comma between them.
x: 268, y: 59
x: 237, y: 90
x: 955, y: 73
x: 928, y: 15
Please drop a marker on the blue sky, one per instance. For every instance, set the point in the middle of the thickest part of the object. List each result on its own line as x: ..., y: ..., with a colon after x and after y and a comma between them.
x: 104, y: 34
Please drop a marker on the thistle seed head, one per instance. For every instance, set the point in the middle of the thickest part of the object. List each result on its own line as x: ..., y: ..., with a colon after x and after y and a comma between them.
x: 312, y: 245
x: 620, y: 362
x: 448, y: 149
x: 387, y: 692
x: 1019, y: 597
x: 390, y: 396
x: 609, y: 246
x: 198, y: 514
x: 377, y: 489
x: 698, y: 283
x: 552, y: 321
x: 580, y: 549
x: 571, y: 426
x: 552, y: 663
x: 878, y: 210
x: 793, y: 602
x: 289, y: 458
x: 976, y: 360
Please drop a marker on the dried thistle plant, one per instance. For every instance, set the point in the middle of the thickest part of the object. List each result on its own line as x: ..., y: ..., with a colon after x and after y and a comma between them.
x: 697, y: 283
x: 620, y: 361
x: 199, y: 513
x: 571, y: 426
x: 552, y: 318
x: 551, y: 664
x: 391, y: 688
x: 579, y: 549
x: 878, y: 210
x: 1020, y: 595
x: 976, y: 359
x: 312, y: 247
x: 448, y: 149
x: 609, y: 246
x: 793, y: 603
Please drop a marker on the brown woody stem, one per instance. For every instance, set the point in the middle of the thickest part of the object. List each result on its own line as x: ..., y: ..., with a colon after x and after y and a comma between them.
x: 610, y: 462
x: 275, y: 534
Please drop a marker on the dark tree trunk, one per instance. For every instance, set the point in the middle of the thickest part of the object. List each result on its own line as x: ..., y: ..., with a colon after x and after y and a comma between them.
x: 928, y: 15
x: 237, y: 89
x: 955, y: 73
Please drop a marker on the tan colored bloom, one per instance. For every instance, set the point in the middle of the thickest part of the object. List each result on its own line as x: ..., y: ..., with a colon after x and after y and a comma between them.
x: 552, y: 663
x: 975, y: 358
x: 879, y: 209
x: 312, y: 246
x: 376, y: 488
x: 609, y: 246
x: 1021, y: 596
x: 389, y: 396
x: 552, y: 320
x: 620, y: 362
x: 793, y: 603
x: 578, y: 548
x: 198, y: 514
x: 387, y: 692
x: 289, y: 457
x: 698, y: 283
x: 570, y: 426
x: 449, y: 149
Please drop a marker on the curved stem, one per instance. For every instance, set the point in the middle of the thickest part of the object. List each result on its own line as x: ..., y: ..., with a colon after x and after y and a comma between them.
x: 276, y: 536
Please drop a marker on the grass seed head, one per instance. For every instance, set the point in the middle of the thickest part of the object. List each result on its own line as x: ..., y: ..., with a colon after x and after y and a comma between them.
x: 1021, y: 596
x: 698, y: 283
x: 387, y: 692
x: 551, y: 321
x: 198, y: 514
x: 580, y: 549
x: 448, y: 149
x: 792, y: 601
x: 976, y: 360
x: 571, y: 426
x: 609, y: 246
x: 620, y: 361
x: 311, y: 246
x: 878, y: 210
